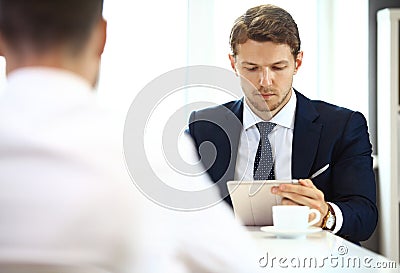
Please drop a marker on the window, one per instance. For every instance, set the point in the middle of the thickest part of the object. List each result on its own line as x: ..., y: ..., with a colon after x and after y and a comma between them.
x: 152, y: 37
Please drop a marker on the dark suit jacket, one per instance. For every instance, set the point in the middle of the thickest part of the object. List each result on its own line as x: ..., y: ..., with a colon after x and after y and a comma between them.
x: 323, y: 134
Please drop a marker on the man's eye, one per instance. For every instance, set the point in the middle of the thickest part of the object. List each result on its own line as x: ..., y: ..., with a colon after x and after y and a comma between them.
x: 279, y: 67
x: 251, y: 68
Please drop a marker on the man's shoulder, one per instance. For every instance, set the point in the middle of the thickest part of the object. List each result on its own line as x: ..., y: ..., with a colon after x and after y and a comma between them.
x: 209, y: 121
x: 335, y: 115
x: 327, y: 109
x: 232, y: 106
x: 230, y: 112
x: 328, y: 113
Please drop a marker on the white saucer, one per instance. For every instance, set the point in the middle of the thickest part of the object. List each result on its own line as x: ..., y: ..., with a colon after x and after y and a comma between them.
x: 290, y: 233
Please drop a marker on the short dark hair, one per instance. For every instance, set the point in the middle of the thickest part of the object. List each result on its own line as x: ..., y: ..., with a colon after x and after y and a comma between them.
x: 43, y: 24
x: 265, y: 23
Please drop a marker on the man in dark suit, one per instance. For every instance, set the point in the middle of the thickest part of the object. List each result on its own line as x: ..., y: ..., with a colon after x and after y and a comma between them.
x: 325, y: 146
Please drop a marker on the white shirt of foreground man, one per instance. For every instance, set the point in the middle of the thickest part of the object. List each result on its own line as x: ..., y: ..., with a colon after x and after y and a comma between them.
x: 209, y: 240
x: 67, y: 203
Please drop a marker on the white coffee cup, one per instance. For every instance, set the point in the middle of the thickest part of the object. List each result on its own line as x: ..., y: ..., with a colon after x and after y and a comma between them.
x: 293, y: 217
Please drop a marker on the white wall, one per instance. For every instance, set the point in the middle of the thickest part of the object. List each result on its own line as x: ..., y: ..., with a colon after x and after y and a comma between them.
x: 145, y: 40
x: 343, y: 53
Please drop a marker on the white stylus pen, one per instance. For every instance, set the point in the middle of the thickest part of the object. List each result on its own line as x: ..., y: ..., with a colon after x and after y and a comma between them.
x: 320, y: 171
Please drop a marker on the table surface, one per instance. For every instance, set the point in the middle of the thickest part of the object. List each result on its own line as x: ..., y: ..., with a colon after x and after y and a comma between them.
x: 317, y: 252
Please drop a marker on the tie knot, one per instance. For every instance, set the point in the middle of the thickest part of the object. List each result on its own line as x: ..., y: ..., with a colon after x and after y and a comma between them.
x: 265, y: 127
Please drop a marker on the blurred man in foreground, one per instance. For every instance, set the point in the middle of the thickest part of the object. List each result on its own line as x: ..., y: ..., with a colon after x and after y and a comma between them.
x: 66, y: 202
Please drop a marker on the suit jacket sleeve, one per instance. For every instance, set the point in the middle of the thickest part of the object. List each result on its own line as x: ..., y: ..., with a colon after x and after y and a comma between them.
x: 353, y: 181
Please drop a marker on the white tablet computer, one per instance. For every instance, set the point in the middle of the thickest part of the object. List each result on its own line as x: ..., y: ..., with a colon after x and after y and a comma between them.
x: 252, y: 200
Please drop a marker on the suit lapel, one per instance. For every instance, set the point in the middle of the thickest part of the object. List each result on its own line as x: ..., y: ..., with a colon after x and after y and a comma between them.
x: 306, y: 137
x: 232, y: 117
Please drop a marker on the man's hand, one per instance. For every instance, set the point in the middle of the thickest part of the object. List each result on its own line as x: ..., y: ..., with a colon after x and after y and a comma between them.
x: 304, y: 193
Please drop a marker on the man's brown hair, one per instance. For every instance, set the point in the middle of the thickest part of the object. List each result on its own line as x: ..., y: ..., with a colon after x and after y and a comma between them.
x: 265, y: 23
x: 44, y: 24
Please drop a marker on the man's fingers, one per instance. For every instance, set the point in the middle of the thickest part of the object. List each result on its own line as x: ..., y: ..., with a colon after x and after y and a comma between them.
x: 307, y: 183
x: 288, y: 202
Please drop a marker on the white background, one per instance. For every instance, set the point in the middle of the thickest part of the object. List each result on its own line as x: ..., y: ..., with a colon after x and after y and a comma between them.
x: 149, y: 38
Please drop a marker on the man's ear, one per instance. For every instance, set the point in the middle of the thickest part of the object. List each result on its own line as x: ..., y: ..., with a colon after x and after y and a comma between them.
x: 97, y: 40
x: 2, y: 44
x: 103, y: 35
x: 233, y: 64
x: 298, y: 62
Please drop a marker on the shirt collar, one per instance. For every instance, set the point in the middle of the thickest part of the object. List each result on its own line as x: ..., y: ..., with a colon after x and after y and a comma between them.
x: 284, y: 118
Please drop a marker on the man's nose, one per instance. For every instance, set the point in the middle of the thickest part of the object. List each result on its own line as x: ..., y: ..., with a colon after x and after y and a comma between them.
x: 266, y: 77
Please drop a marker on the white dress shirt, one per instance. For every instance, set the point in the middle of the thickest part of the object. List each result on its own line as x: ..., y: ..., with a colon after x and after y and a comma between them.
x: 281, y: 139
x: 67, y: 202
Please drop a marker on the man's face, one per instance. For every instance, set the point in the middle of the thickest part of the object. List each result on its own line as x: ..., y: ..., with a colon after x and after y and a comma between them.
x: 266, y: 71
